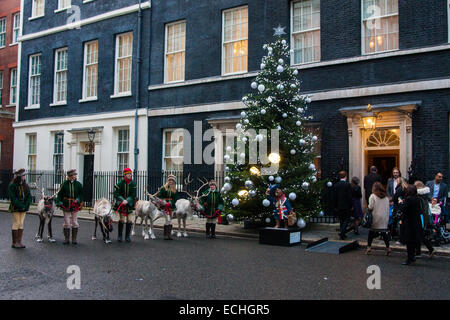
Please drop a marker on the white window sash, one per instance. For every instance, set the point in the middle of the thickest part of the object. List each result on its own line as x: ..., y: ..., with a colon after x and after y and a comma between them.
x: 2, y: 32
x: 174, y: 53
x: 171, y: 157
x: 16, y: 27
x: 34, y: 81
x: 1, y: 87
x: 38, y: 8
x: 123, y: 154
x: 60, y: 76
x: 64, y: 4
x: 226, y: 59
x: 13, y: 87
x: 90, y: 81
x: 117, y: 83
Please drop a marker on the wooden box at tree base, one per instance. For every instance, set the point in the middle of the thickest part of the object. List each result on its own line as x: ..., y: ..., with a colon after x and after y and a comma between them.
x: 280, y: 236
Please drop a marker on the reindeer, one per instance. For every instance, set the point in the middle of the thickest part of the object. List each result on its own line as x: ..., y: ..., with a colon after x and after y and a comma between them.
x: 46, y: 210
x: 103, y: 216
x: 149, y: 211
x: 186, y: 207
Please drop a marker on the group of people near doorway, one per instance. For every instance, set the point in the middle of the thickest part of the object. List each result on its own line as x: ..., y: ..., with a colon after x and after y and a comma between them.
x: 70, y: 200
x: 402, y: 210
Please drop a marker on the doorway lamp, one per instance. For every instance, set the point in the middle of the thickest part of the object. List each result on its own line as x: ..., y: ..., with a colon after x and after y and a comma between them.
x: 369, y: 118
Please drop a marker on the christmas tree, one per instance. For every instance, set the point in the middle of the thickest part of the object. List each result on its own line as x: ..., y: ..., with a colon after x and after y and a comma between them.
x: 276, y: 105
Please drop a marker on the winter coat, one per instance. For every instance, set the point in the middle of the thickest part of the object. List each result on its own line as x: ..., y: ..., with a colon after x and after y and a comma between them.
x: 380, y: 212
x: 169, y: 196
x: 411, y: 227
x: 212, y: 202
x: 422, y: 194
x: 20, y: 197
x: 69, y: 192
x: 125, y: 191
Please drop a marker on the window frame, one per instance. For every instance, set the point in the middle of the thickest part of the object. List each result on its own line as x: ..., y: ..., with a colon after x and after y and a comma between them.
x: 84, y: 95
x: 30, y: 91
x: 292, y: 34
x: 171, y: 130
x: 223, y: 58
x: 58, y: 155
x: 3, y: 32
x: 174, y: 52
x: 1, y: 86
x: 116, y: 65
x: 11, y: 87
x: 29, y: 154
x: 16, y: 28
x: 363, y: 47
x: 60, y: 8
x: 34, y: 8
x: 119, y: 153
x: 55, y: 75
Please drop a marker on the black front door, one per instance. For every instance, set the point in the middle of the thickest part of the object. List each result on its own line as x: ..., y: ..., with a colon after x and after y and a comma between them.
x: 88, y: 178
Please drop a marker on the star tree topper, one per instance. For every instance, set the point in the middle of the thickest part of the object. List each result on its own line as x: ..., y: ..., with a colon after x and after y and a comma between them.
x: 279, y: 31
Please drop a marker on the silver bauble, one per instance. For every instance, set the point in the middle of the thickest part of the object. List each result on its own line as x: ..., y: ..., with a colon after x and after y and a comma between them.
x: 230, y: 217
x: 298, y: 123
x: 293, y: 151
x: 254, y: 85
x: 271, y: 178
x: 266, y: 203
x: 329, y: 184
x: 278, y: 179
x: 280, y: 69
x: 292, y: 196
x: 227, y: 179
x: 263, y: 111
x: 301, y: 223
x: 261, y: 88
x: 235, y: 202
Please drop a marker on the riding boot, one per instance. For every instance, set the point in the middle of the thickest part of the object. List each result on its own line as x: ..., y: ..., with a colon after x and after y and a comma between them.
x: 169, y: 232
x: 213, y: 230
x: 14, y: 239
x: 128, y: 232
x: 66, y: 235
x: 120, y: 229
x: 74, y: 235
x: 19, y: 239
x: 166, y: 228
x: 208, y: 228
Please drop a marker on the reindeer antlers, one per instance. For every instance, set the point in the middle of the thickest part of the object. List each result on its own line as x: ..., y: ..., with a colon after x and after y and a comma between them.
x: 205, y: 182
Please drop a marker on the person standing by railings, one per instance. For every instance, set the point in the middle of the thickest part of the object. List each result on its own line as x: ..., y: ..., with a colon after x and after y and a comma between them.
x: 369, y: 180
x: 343, y: 202
x: 357, y: 207
x: 20, y: 197
x: 125, y: 199
x: 169, y: 193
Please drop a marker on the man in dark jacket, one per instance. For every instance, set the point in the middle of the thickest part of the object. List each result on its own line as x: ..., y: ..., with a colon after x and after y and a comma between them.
x: 439, y: 190
x: 392, y: 184
x: 343, y: 202
x: 369, y: 180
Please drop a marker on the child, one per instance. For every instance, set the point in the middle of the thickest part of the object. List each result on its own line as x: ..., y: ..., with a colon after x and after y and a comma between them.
x: 435, y: 209
x: 282, y: 205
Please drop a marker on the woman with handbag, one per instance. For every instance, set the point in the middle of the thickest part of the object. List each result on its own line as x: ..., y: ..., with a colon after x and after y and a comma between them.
x: 379, y: 204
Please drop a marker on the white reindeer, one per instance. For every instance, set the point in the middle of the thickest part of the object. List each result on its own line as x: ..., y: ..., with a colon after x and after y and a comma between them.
x: 46, y: 209
x: 103, y: 216
x: 186, y: 207
x: 149, y: 211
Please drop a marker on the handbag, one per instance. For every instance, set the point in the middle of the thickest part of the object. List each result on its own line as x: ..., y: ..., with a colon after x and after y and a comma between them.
x: 367, y: 219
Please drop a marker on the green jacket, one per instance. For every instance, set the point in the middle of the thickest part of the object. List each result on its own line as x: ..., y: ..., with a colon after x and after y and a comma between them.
x: 212, y: 202
x: 168, y: 195
x: 68, y: 192
x: 124, y: 191
x: 20, y: 198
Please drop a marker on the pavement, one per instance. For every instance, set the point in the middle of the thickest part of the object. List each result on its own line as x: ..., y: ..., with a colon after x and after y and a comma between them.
x: 312, y: 232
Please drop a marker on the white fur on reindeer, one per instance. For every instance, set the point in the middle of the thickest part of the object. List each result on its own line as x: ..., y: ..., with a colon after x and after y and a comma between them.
x: 148, y: 211
x: 102, y: 208
x: 45, y: 216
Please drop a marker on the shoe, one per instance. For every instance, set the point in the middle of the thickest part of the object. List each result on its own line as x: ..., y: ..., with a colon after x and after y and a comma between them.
x: 19, y: 239
x: 66, y: 235
x: 166, y: 228
x: 128, y: 231
x: 388, y: 251
x: 406, y: 263
x: 368, y: 250
x: 120, y: 229
x: 74, y: 235
x: 213, y: 230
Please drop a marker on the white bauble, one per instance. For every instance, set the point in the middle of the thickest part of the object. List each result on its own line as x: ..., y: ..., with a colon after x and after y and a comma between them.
x: 244, y: 139
x: 278, y: 179
x: 261, y: 88
x: 227, y: 186
x: 267, y: 220
x: 295, y: 72
x: 248, y: 183
x: 298, y: 123
x: 278, y: 128
x: 301, y: 223
x: 284, y: 115
x: 269, y: 100
x: 227, y: 179
x: 280, y: 69
x: 235, y: 202
x: 299, y: 110
x: 252, y: 193
x: 314, y: 138
x: 293, y: 85
x: 269, y: 49
x: 242, y: 155
x: 305, y: 185
x: 280, y: 61
x: 226, y: 157
x: 259, y: 137
x: 227, y: 168
x: 312, y: 166
x: 329, y: 184
x: 222, y: 190
x: 280, y: 87
x: 230, y: 217
x: 293, y: 151
x: 266, y: 203
x: 244, y: 99
x: 271, y: 178
x: 262, y: 66
x: 263, y: 111
x: 314, y: 179
x: 302, y: 142
x: 254, y: 85
x: 308, y: 100
x: 243, y: 114
x: 228, y: 149
x: 246, y: 121
x: 238, y: 126
x: 292, y: 196
x: 291, y: 51
x: 283, y: 42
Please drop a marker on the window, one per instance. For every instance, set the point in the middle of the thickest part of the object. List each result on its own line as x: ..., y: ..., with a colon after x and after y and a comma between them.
x: 305, y: 37
x: 13, y: 87
x: 1, y: 87
x: 34, y: 93
x: 379, y: 25
x: 58, y: 155
x: 173, y: 150
x: 16, y: 27
x: 2, y: 32
x: 124, y: 53
x: 235, y: 40
x: 60, y: 86
x: 90, y: 70
x: 175, y: 51
x: 64, y: 4
x: 38, y: 8
x: 32, y: 152
x: 123, y: 149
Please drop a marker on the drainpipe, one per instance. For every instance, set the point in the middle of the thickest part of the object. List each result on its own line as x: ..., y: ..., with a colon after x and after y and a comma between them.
x: 148, y: 71
x: 138, y: 88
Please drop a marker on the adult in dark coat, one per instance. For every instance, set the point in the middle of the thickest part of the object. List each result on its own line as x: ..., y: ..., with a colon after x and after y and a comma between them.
x: 369, y: 180
x: 400, y: 194
x: 411, y: 227
x: 393, y: 183
x: 439, y: 190
x: 343, y: 202
x: 422, y: 194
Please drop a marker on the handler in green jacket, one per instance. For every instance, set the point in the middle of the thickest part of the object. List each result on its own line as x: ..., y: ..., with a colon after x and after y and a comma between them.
x: 20, y: 196
x: 213, y: 204
x: 70, y: 200
x: 169, y: 193
x: 125, y: 198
